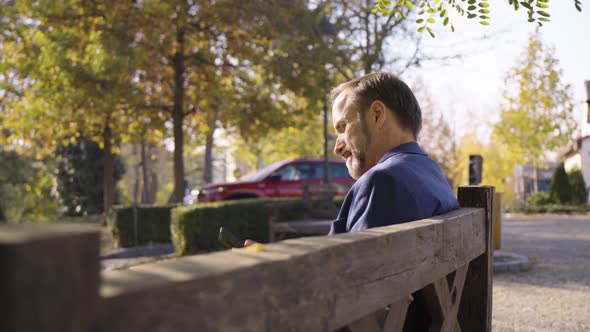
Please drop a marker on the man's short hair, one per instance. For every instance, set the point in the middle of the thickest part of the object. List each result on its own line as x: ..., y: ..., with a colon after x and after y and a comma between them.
x: 389, y: 90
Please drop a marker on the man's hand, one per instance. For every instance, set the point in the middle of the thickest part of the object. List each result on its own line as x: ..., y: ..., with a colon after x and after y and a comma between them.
x: 249, y: 242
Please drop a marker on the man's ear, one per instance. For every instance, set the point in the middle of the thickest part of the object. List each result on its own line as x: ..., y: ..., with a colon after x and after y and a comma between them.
x: 378, y: 113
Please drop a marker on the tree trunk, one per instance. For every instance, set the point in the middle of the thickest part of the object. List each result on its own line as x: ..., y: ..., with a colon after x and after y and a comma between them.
x: 108, y: 167
x: 145, y: 193
x: 137, y: 183
x: 154, y: 187
x: 208, y: 173
x: 2, y: 216
x: 536, y: 178
x: 177, y: 119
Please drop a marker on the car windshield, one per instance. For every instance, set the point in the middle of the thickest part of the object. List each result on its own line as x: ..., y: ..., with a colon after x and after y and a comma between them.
x: 263, y: 173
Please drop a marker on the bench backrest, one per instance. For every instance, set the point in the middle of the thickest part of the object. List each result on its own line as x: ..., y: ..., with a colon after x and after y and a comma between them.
x: 363, y: 281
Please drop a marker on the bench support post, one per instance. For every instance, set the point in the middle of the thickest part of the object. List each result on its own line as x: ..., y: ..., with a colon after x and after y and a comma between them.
x: 475, y: 311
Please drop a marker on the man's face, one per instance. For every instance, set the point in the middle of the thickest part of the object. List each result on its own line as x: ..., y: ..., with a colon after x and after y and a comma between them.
x: 353, y: 140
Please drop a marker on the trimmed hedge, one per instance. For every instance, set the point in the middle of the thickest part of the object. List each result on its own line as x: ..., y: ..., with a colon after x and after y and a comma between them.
x: 549, y: 208
x: 153, y: 224
x: 195, y: 228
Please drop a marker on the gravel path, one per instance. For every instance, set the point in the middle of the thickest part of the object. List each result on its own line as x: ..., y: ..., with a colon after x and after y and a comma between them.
x: 555, y: 294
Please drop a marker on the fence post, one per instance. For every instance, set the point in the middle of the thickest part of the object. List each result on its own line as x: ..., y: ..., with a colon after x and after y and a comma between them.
x: 498, y: 206
x: 50, y: 277
x: 475, y: 311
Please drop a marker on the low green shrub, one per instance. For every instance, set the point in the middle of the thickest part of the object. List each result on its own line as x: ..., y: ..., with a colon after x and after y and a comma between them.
x: 195, y: 228
x: 538, y: 199
x: 560, y: 189
x: 153, y: 224
x: 579, y: 191
x: 547, y: 208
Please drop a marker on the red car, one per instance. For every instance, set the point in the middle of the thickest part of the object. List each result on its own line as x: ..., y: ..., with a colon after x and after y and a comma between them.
x: 280, y: 179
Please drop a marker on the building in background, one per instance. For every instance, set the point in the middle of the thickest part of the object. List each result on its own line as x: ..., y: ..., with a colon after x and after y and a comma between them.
x: 524, y: 179
x: 578, y: 157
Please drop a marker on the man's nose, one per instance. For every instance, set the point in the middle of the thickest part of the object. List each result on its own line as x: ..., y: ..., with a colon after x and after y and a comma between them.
x: 339, y: 146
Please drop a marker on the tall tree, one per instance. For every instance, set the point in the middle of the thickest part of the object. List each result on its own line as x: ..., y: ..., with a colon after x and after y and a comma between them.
x: 78, y: 175
x: 194, y: 43
x: 72, y: 68
x: 367, y: 41
x: 537, y: 115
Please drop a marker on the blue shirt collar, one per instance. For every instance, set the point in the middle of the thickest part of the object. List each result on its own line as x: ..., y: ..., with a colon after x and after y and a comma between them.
x: 409, y: 148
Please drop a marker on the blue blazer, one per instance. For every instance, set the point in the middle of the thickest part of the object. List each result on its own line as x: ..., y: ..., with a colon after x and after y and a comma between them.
x: 405, y: 185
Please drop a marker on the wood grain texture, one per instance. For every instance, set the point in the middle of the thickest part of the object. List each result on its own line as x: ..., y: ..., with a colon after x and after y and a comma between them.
x: 397, y: 315
x: 50, y: 277
x: 307, y: 284
x: 475, y: 311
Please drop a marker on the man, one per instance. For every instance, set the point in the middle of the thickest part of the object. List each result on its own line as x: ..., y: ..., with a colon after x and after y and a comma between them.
x: 378, y: 119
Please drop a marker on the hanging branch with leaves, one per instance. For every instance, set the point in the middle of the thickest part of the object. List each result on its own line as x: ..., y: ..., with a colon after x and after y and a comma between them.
x: 429, y: 11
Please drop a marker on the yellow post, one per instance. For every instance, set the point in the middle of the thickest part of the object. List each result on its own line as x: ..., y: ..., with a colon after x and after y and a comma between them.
x: 497, y: 236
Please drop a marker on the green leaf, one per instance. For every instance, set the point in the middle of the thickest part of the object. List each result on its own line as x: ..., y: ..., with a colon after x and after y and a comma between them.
x: 443, y: 13
x: 409, y: 5
x: 452, y: 28
x: 430, y: 20
x: 543, y: 13
x: 484, y: 11
x: 484, y: 4
x: 471, y: 15
x: 420, y: 29
x: 484, y: 17
x: 430, y: 32
x: 446, y: 21
x: 484, y: 23
x: 472, y: 7
x: 471, y: 2
x: 542, y: 5
x: 544, y: 19
x: 420, y: 20
x: 526, y: 5
x: 431, y: 10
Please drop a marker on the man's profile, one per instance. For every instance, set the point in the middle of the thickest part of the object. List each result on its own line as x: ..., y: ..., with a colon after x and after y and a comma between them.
x: 378, y: 119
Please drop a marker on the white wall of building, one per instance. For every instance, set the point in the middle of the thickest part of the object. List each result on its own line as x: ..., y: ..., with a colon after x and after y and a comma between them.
x: 573, y: 162
x: 585, y: 156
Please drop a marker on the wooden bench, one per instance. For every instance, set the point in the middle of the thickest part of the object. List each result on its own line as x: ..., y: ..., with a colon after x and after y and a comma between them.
x: 50, y: 280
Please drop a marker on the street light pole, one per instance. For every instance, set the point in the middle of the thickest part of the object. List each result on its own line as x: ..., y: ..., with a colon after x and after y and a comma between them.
x: 326, y: 30
x: 587, y: 84
x: 326, y: 164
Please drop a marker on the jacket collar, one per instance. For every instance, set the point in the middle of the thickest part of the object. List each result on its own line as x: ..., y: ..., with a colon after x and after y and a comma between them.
x: 406, y: 148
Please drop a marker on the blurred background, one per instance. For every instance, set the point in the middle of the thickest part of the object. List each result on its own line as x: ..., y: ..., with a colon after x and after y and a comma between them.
x: 105, y: 103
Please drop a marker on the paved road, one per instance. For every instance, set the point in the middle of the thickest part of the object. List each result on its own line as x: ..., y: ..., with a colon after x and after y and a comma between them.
x: 555, y: 294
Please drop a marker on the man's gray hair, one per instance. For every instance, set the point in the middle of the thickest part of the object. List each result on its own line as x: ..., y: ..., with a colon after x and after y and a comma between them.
x: 388, y: 89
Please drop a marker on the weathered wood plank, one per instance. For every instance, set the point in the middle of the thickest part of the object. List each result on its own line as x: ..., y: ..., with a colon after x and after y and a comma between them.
x: 317, y: 283
x: 475, y: 311
x: 305, y: 227
x: 397, y: 315
x: 369, y: 323
x: 451, y: 322
x: 50, y: 277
